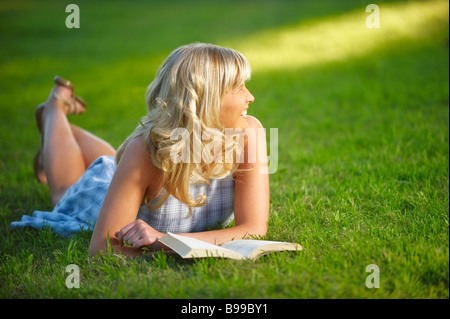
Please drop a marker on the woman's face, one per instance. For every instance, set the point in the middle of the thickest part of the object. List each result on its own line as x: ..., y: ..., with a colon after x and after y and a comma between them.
x: 233, y: 109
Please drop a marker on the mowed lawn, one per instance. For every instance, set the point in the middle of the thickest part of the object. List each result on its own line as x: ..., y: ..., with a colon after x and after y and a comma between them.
x: 360, y: 154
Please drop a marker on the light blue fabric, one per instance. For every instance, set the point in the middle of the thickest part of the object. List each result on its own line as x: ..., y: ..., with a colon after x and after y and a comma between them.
x: 79, y: 207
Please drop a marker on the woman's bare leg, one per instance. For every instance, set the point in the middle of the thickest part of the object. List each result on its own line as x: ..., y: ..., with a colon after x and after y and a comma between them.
x: 91, y: 146
x: 63, y: 161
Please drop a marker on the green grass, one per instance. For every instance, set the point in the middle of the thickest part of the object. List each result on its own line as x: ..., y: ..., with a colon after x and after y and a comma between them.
x: 363, y: 145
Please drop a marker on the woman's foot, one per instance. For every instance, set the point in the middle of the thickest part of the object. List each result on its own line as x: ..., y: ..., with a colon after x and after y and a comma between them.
x: 63, y: 92
x: 63, y: 98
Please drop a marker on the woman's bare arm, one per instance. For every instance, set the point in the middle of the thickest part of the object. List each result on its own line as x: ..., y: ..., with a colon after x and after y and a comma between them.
x: 134, y: 175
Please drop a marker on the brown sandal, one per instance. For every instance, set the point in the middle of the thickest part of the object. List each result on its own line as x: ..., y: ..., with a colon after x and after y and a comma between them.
x: 72, y: 105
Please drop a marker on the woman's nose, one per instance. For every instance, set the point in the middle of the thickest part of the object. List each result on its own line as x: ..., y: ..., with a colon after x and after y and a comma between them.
x: 250, y: 98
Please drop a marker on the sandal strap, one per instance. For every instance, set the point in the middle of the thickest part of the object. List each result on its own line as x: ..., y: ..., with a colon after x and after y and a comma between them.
x: 71, y: 105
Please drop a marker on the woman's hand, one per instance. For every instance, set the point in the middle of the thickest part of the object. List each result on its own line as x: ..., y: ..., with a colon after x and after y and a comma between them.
x: 139, y: 234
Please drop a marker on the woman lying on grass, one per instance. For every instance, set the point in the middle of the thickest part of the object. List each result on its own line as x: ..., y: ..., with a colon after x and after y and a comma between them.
x: 163, y: 181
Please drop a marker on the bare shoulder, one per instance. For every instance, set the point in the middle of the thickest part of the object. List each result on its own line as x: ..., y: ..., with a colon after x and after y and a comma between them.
x: 136, y: 145
x: 255, y: 127
x: 136, y: 156
x: 253, y: 122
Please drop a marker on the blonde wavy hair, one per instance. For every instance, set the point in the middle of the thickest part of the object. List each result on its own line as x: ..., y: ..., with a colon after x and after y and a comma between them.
x: 187, y: 91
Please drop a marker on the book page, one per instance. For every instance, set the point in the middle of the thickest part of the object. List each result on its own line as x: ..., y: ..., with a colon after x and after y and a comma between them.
x: 246, y: 246
x: 191, y: 247
x: 196, y: 243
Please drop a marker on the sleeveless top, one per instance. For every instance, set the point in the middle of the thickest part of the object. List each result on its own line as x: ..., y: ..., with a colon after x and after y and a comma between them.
x: 172, y: 215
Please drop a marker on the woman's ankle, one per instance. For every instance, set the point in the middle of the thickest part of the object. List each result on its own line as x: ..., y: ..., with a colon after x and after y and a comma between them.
x: 54, y: 104
x: 65, y: 97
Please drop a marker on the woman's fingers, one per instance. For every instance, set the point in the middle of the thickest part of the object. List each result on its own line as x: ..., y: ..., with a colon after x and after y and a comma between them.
x: 131, y: 234
x: 123, y: 232
x: 140, y: 242
x: 138, y: 234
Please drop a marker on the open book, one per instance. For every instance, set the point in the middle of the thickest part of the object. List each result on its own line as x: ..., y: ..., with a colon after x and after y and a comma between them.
x: 188, y: 247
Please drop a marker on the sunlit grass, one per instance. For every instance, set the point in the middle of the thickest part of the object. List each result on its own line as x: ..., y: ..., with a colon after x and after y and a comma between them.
x: 362, y: 118
x: 345, y: 36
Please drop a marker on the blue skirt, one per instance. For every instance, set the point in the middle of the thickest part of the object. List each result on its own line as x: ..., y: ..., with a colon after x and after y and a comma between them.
x: 79, y: 207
